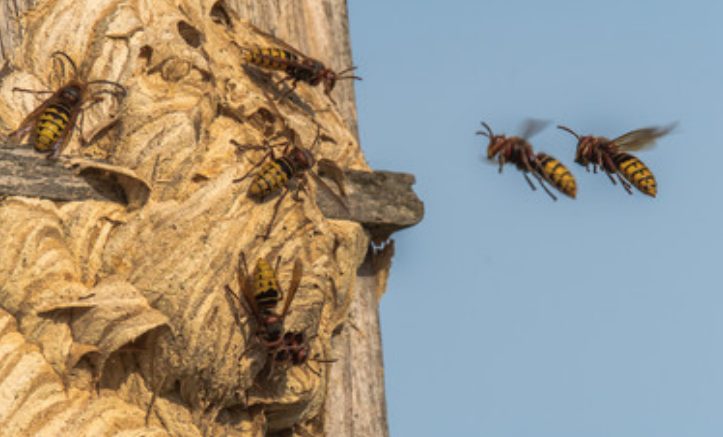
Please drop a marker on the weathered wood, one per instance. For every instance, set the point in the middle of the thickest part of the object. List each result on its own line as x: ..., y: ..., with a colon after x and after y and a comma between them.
x: 24, y: 172
x: 356, y: 404
x: 382, y: 201
x: 319, y: 28
x: 11, y: 31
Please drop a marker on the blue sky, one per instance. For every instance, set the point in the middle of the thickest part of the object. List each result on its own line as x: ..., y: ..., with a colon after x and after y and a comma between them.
x: 508, y: 314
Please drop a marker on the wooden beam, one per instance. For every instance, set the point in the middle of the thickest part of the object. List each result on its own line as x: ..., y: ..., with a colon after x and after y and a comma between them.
x: 24, y: 172
x: 382, y: 201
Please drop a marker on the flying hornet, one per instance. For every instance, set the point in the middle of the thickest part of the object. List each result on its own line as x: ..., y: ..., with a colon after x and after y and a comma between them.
x: 262, y: 295
x: 517, y: 150
x: 610, y: 156
x: 298, y: 67
x: 275, y: 175
x: 51, y: 124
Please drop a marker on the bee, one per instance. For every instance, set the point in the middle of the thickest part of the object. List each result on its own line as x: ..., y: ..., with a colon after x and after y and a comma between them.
x: 51, y: 124
x: 275, y: 174
x: 298, y: 68
x: 262, y: 294
x: 518, y: 151
x: 610, y: 156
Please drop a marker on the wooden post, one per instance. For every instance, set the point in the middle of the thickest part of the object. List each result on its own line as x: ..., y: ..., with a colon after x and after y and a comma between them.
x: 355, y: 403
x: 10, y: 28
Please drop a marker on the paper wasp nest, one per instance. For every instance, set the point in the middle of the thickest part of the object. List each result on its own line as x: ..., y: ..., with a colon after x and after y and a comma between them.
x: 103, y: 305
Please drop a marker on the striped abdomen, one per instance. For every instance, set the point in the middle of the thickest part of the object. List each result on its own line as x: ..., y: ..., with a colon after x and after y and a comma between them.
x: 272, y: 177
x: 633, y: 169
x: 557, y: 174
x: 266, y: 287
x: 50, y: 126
x: 270, y: 58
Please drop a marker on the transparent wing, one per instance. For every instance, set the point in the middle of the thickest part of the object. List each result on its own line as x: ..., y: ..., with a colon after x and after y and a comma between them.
x: 642, y: 138
x: 293, y: 286
x: 246, y: 287
x: 532, y: 126
x: 336, y: 197
x: 327, y: 167
x: 234, y: 299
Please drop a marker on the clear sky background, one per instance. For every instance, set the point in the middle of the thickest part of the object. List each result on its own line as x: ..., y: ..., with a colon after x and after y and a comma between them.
x: 508, y: 314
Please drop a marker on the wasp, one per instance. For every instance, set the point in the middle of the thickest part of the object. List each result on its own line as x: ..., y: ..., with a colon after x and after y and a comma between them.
x: 275, y: 174
x: 51, y: 124
x: 610, y: 156
x: 263, y: 295
x: 298, y: 68
x: 517, y: 150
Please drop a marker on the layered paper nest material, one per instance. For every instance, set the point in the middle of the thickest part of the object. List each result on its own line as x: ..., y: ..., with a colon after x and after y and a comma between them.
x: 112, y: 304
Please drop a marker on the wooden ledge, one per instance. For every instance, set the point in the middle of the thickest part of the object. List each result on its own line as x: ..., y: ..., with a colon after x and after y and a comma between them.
x: 382, y: 201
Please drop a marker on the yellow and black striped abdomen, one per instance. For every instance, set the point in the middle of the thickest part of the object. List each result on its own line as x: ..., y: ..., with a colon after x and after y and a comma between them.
x: 557, y: 174
x: 271, y: 58
x: 637, y: 173
x: 272, y: 177
x: 50, y: 127
x: 266, y: 288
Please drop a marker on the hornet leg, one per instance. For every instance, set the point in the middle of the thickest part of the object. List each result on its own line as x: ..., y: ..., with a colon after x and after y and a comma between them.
x: 291, y: 89
x: 625, y: 184
x: 256, y: 165
x: 544, y: 187
x: 612, y: 179
x: 529, y: 169
x: 273, y: 216
x: 609, y: 168
x: 529, y: 182
x: 25, y: 90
